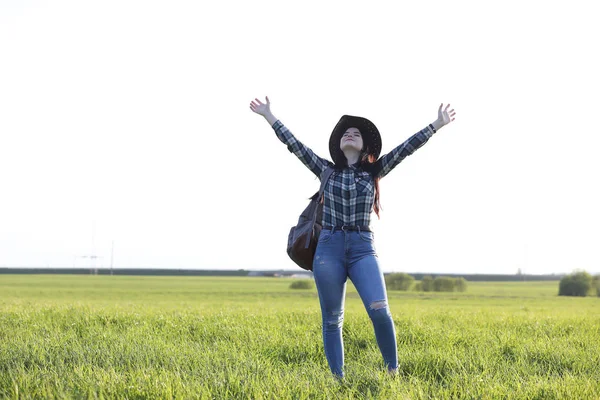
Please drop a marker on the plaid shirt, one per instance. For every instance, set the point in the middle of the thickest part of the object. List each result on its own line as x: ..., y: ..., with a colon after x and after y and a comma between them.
x: 349, y: 193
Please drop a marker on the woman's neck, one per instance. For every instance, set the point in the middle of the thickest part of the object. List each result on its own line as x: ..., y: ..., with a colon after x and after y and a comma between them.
x: 352, y: 156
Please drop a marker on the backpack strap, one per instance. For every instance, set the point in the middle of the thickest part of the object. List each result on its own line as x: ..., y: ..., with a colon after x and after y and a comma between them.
x: 324, y: 178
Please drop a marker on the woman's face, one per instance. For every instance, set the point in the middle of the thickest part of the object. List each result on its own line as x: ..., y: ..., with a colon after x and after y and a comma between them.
x: 351, y: 139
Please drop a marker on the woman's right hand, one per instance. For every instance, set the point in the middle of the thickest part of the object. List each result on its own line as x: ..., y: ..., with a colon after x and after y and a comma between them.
x: 261, y: 108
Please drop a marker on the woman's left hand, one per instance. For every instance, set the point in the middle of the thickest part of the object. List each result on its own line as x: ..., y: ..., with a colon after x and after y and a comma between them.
x: 445, y: 116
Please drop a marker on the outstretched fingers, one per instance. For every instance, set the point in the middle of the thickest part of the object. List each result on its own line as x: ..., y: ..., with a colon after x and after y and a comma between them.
x: 259, y: 107
x: 254, y: 107
x: 450, y: 113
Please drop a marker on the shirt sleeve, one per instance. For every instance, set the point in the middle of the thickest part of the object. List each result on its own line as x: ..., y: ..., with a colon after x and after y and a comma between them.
x: 386, y: 163
x: 315, y: 163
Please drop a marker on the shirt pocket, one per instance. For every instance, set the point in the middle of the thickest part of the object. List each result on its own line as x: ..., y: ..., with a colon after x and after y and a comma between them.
x: 364, y: 182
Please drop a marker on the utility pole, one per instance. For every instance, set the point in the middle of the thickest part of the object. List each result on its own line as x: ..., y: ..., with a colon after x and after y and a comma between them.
x: 93, y: 257
x: 112, y: 248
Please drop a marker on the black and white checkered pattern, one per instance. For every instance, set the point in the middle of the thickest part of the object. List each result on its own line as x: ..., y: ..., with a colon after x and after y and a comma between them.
x: 350, y: 193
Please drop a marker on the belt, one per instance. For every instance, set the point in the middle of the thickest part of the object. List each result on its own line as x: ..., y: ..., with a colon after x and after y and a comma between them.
x: 359, y: 228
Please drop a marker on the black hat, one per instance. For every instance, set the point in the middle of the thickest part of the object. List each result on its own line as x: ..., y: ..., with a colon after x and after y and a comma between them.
x: 368, y: 131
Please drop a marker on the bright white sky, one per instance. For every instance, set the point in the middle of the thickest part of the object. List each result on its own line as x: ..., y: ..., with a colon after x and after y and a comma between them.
x: 128, y: 122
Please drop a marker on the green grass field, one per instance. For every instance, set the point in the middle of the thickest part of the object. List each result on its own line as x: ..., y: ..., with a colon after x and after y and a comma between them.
x: 207, y: 337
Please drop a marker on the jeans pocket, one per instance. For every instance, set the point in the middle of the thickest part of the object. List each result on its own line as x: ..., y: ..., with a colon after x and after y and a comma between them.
x: 324, y: 236
x: 366, y: 236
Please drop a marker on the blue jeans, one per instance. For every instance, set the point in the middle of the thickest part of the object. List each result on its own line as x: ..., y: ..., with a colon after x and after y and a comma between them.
x: 342, y: 254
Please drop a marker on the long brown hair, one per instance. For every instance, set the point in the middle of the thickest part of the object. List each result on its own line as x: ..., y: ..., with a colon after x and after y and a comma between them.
x: 367, y: 161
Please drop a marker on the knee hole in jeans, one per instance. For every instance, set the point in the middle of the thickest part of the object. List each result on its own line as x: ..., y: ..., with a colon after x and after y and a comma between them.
x: 378, y: 305
x: 379, y: 311
x: 334, y: 319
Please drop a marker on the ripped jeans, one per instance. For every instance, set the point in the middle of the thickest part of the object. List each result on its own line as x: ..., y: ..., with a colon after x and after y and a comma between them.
x: 341, y: 254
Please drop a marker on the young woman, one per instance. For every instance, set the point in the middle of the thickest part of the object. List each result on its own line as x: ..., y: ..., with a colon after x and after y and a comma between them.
x: 345, y: 248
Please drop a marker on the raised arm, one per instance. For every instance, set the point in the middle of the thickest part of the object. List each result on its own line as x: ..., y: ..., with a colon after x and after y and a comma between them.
x: 315, y: 163
x: 387, y: 162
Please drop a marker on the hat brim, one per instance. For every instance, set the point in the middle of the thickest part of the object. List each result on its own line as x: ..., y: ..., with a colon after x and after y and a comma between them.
x: 368, y: 130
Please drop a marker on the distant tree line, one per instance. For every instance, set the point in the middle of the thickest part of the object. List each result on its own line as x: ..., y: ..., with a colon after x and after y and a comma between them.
x: 150, y: 272
x: 579, y: 283
x: 491, y: 277
x: 402, y: 281
x: 244, y: 272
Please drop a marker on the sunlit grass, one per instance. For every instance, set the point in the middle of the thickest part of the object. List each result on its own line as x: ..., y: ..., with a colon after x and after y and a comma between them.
x: 208, y: 337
